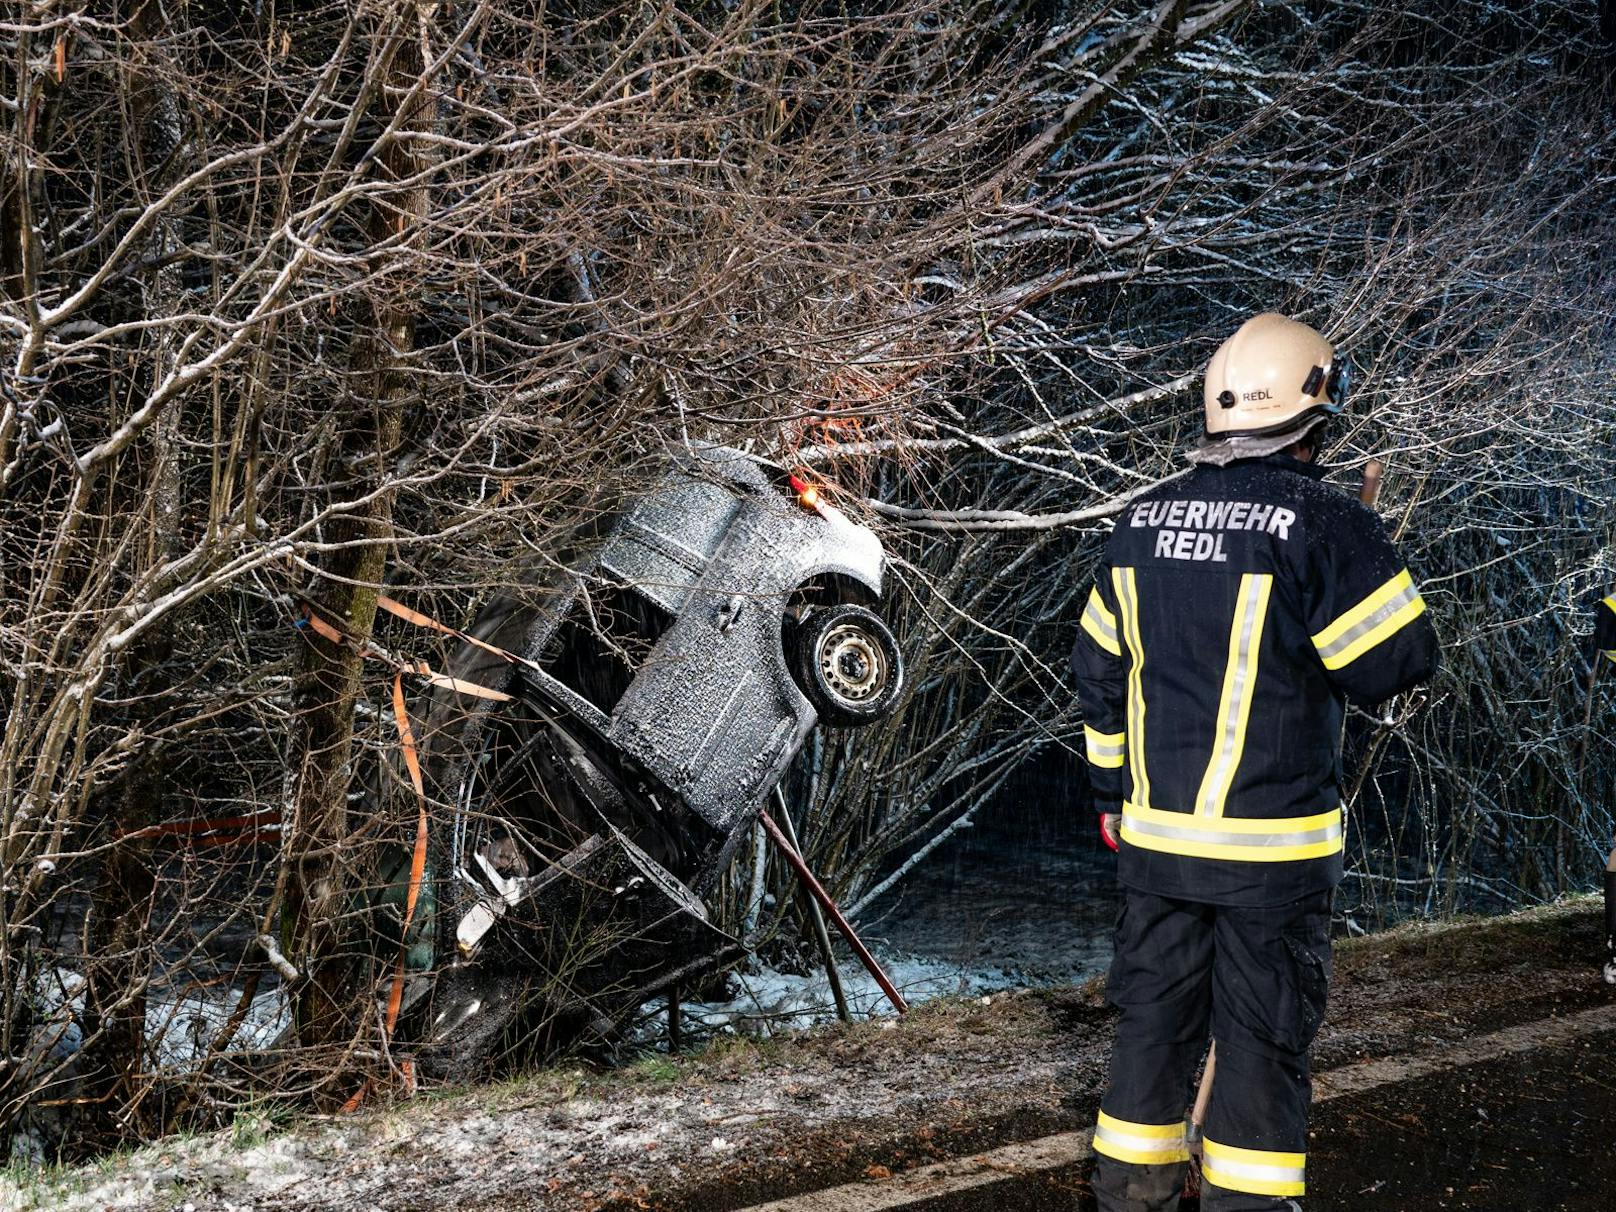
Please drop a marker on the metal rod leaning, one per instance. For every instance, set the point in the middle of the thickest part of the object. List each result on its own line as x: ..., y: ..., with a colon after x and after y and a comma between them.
x: 816, y: 916
x: 841, y: 923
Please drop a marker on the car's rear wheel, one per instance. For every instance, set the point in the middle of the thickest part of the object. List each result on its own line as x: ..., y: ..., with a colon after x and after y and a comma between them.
x: 848, y: 664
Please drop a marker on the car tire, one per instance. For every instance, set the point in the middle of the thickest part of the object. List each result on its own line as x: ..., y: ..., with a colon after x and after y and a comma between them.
x: 848, y: 664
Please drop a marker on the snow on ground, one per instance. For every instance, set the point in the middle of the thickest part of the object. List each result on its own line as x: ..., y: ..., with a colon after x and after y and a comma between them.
x: 182, y: 1026
x: 180, y: 1023
x: 769, y: 1002
x: 742, y: 1121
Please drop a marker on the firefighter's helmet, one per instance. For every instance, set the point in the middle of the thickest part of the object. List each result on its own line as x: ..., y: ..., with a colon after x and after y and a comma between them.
x: 1273, y: 376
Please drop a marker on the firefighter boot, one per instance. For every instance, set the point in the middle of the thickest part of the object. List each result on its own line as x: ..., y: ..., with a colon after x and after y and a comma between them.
x: 1124, y: 1187
x: 1216, y: 1198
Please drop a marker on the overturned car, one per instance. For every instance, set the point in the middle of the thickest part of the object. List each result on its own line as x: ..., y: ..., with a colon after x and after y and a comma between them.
x: 663, y: 683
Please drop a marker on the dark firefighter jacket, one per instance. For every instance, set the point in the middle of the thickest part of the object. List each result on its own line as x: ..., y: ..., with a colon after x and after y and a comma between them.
x: 1605, y: 628
x: 1236, y: 608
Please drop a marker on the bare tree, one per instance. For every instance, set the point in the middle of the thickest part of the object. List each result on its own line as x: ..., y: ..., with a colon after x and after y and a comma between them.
x: 298, y: 305
x: 1420, y: 185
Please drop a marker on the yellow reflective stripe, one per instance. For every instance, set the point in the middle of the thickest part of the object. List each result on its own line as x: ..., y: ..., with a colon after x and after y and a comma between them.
x: 1375, y: 619
x: 1394, y: 622
x: 1351, y: 618
x: 1104, y: 749
x: 1101, y: 624
x: 1242, y: 839
x: 1239, y: 680
x: 1122, y: 581
x: 1141, y: 1144
x: 1156, y: 1132
x: 1611, y: 602
x: 1254, y: 1171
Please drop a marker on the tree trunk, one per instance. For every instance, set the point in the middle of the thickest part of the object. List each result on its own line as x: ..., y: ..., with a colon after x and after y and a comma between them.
x: 118, y: 955
x: 329, y: 1002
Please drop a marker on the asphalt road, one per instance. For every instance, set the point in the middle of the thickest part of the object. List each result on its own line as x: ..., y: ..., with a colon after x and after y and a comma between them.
x: 1523, y: 1128
x: 1530, y: 1132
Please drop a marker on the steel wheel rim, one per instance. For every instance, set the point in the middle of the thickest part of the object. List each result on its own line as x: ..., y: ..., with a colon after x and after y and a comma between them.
x: 852, y: 663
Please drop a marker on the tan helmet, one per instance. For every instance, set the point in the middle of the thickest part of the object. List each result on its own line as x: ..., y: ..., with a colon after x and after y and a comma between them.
x: 1270, y: 377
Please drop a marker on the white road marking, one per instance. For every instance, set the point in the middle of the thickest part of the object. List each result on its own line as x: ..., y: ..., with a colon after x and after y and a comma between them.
x: 1528, y: 1037
x: 942, y: 1178
x: 1068, y: 1148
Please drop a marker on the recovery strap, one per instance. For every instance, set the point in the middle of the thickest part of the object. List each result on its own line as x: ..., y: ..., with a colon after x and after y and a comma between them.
x: 412, y: 764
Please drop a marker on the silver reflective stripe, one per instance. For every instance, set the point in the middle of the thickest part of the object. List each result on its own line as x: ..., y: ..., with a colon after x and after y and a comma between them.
x: 1409, y: 593
x: 1170, y: 1149
x: 1093, y: 614
x: 1220, y: 837
x: 1252, y: 605
x: 1123, y: 584
x: 1218, y: 1163
x: 1103, y: 748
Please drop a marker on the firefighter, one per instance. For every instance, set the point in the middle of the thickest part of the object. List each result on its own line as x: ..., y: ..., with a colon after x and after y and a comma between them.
x: 1237, y: 607
x: 1605, y: 646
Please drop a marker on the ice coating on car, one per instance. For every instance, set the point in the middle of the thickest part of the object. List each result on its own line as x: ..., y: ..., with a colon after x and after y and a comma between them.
x: 671, y: 673
x: 714, y: 711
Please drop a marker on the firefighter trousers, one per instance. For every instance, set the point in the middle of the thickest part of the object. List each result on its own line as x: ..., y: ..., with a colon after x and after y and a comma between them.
x: 1256, y: 979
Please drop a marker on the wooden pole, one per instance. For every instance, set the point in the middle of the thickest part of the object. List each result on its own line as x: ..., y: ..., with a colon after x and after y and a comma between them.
x: 1369, y: 490
x: 1203, y: 1095
x: 1369, y: 494
x: 841, y: 923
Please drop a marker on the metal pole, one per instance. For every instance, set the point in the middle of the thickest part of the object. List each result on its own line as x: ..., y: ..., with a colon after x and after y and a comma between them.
x: 1609, y: 887
x: 829, y: 905
x: 815, y: 917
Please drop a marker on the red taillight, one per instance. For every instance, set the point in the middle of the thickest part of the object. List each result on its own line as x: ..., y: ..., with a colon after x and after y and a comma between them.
x: 807, y: 494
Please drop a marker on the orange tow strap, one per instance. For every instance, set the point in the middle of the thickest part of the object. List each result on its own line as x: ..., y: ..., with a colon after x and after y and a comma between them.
x: 412, y: 764
x: 395, y: 996
x: 419, y: 669
x: 400, y: 611
x: 320, y: 627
